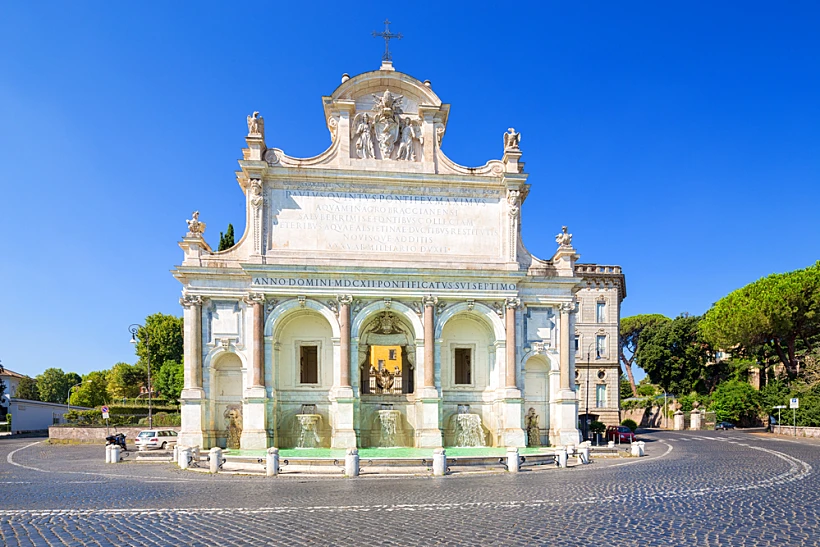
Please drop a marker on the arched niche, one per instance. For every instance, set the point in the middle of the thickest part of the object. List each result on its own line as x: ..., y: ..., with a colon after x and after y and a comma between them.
x: 385, y: 328
x: 226, y: 388
x: 537, y: 397
x: 467, y: 352
x: 303, y: 351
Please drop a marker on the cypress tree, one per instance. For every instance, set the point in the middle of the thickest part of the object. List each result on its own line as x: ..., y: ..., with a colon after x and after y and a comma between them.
x: 226, y: 241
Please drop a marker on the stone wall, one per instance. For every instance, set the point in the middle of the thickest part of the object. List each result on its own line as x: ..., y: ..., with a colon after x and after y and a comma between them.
x: 646, y: 417
x: 801, y: 431
x: 94, y: 435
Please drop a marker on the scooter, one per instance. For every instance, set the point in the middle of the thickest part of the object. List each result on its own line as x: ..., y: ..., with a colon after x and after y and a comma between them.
x: 117, y: 439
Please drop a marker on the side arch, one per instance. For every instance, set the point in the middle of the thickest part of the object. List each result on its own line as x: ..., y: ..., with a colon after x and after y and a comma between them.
x: 397, y: 307
x: 482, y: 310
x: 280, y: 312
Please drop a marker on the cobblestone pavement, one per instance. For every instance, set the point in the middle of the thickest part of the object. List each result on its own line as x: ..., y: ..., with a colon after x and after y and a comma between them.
x: 701, y: 488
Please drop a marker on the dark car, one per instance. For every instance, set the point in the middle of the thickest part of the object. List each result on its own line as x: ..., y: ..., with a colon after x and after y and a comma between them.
x: 620, y: 433
x: 724, y: 426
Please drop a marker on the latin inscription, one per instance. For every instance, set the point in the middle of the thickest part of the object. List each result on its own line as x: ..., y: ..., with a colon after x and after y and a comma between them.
x: 332, y: 282
x: 384, y: 223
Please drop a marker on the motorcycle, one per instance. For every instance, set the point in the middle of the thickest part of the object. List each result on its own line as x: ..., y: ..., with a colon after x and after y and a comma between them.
x: 117, y: 439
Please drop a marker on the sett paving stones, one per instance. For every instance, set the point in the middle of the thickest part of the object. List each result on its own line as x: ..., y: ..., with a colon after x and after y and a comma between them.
x: 695, y: 488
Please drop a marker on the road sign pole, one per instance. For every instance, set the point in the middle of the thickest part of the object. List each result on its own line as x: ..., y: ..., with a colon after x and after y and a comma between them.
x: 794, y: 421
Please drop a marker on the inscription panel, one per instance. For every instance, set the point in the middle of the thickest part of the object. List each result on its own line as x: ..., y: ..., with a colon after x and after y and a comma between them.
x: 386, y: 224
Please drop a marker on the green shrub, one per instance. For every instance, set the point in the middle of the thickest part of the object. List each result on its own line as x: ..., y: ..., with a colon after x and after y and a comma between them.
x: 597, y: 427
x: 163, y: 419
x: 631, y: 424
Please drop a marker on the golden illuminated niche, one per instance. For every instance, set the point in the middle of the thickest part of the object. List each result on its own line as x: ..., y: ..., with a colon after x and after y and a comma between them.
x: 386, y: 357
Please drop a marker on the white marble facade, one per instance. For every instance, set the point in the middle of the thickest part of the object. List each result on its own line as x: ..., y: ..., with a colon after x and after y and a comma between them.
x: 382, y: 241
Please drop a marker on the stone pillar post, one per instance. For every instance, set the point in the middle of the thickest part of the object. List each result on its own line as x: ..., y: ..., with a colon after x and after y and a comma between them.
x: 343, y: 433
x: 512, y: 365
x: 564, y: 411
x: 344, y: 340
x: 429, y: 341
x: 192, y: 394
x: 254, y: 415
x: 428, y: 434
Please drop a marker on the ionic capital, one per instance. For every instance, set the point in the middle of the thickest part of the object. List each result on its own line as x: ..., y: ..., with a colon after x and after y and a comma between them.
x: 512, y: 302
x: 566, y: 307
x: 344, y: 299
x: 429, y: 300
x: 254, y: 298
x: 189, y: 300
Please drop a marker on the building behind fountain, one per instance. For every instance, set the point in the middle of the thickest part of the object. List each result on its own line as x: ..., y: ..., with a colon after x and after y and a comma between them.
x: 381, y: 294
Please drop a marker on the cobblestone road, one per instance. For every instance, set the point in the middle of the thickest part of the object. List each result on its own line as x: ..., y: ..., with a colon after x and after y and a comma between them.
x: 696, y: 488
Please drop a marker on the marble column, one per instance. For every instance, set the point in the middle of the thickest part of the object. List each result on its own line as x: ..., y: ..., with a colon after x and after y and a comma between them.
x: 254, y: 415
x: 192, y: 397
x: 429, y: 341
x: 342, y: 402
x: 511, y: 305
x: 567, y: 339
x: 428, y: 432
x: 564, y: 408
x: 344, y: 340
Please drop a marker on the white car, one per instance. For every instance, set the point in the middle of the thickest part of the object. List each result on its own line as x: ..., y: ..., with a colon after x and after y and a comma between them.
x: 156, y: 438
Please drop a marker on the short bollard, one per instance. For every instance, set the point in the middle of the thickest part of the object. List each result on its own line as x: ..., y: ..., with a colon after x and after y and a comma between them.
x: 583, y: 454
x: 641, y: 448
x: 175, y: 455
x: 115, y: 454
x: 195, y: 454
x: 562, y: 456
x: 352, y: 463
x: 108, y: 453
x: 636, y: 450
x: 439, y: 462
x: 215, y: 459
x: 272, y: 462
x: 610, y: 444
x: 183, y: 457
x: 570, y: 450
x: 513, y: 463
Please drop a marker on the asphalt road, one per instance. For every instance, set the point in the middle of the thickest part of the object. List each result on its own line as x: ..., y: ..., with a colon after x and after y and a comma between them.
x: 701, y: 488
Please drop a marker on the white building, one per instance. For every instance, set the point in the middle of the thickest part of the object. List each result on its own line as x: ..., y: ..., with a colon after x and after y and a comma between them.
x: 36, y: 415
x: 381, y: 294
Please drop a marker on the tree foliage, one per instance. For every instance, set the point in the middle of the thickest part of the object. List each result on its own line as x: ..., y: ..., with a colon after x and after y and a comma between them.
x: 630, y: 333
x: 27, y: 389
x: 779, y: 314
x: 125, y: 380
x: 2, y: 383
x: 169, y: 380
x: 53, y: 385
x: 226, y: 241
x: 675, y: 356
x: 160, y: 340
x: 93, y: 392
x: 736, y: 402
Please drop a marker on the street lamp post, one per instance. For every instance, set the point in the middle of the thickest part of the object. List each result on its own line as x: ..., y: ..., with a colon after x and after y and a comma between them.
x: 68, y: 397
x: 133, y: 329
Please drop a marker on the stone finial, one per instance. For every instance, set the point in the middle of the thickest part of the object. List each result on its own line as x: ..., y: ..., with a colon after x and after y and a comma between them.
x: 256, y: 125
x: 345, y: 77
x: 564, y: 239
x: 512, y: 140
x: 195, y: 227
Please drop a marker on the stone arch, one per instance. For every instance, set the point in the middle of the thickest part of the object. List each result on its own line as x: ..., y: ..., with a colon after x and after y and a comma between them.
x: 537, y: 379
x: 368, y: 312
x: 226, y: 388
x: 279, y: 314
x: 366, y: 339
x: 481, y: 310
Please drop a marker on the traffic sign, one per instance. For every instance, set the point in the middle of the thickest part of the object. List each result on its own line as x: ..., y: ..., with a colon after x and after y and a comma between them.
x: 794, y: 403
x: 778, y: 407
x: 105, y: 412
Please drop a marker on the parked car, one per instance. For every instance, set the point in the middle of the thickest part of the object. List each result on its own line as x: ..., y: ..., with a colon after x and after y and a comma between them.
x: 156, y: 438
x: 724, y: 426
x: 620, y: 433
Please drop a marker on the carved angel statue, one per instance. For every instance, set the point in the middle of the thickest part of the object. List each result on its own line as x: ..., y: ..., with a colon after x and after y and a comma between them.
x: 256, y: 125
x: 410, y: 131
x: 195, y: 227
x: 388, y: 111
x: 511, y: 139
x: 363, y: 135
x: 564, y: 239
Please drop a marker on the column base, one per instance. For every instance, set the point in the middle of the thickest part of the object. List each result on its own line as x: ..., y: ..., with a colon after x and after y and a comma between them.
x: 510, y: 408
x: 254, y: 435
x: 191, y: 432
x: 254, y: 439
x: 343, y: 434
x: 564, y: 419
x: 428, y: 434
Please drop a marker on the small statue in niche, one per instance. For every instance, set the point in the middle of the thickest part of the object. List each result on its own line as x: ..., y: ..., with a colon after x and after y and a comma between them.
x: 511, y: 139
x: 531, y: 424
x: 564, y: 239
x: 233, y: 415
x: 195, y: 227
x: 256, y: 125
x: 388, y: 111
x: 363, y: 135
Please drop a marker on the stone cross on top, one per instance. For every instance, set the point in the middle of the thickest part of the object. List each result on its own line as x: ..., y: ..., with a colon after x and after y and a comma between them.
x: 387, y: 35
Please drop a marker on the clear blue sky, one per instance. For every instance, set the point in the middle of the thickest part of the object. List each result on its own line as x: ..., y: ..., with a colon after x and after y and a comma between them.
x: 680, y: 140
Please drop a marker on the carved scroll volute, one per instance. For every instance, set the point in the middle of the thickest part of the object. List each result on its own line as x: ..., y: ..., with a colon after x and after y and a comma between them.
x: 189, y: 300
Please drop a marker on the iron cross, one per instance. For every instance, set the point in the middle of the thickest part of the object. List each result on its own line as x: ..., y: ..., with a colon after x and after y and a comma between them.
x: 387, y: 35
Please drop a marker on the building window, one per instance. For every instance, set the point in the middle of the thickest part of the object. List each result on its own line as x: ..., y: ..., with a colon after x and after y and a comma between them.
x: 309, y: 364
x: 600, y: 312
x: 463, y: 368
x: 600, y: 396
x: 391, y: 354
x: 601, y: 374
x: 600, y: 345
x: 577, y: 343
